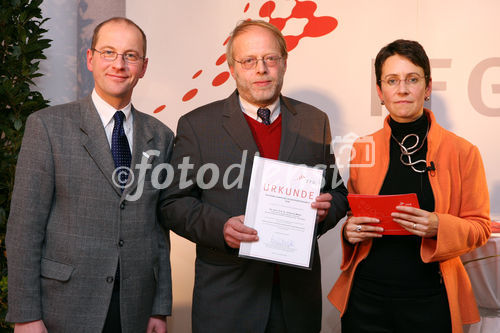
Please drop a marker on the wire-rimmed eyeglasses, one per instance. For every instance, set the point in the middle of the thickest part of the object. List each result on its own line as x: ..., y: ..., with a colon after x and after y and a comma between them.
x: 128, y: 57
x: 250, y: 63
x: 411, y: 80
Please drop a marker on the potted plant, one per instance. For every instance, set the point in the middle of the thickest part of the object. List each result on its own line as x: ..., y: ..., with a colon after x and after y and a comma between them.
x: 21, y: 49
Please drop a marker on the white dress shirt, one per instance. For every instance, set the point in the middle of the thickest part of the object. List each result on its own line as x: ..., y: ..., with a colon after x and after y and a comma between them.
x: 251, y: 110
x: 106, y: 113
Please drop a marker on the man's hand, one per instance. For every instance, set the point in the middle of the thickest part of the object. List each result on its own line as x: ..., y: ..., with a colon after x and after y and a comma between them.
x: 36, y: 326
x: 322, y: 204
x: 236, y: 232
x: 157, y: 324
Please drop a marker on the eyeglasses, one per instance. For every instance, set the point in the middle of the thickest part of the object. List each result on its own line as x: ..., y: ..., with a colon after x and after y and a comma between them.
x: 129, y: 57
x: 411, y: 80
x: 250, y: 63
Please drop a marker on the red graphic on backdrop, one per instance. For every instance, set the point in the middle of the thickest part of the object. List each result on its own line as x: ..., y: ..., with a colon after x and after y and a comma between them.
x: 220, y: 79
x: 221, y: 60
x: 197, y: 74
x: 315, y: 27
x: 190, y: 94
x: 160, y: 108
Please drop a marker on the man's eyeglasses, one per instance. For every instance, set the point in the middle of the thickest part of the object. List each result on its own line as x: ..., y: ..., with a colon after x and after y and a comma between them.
x: 128, y: 57
x: 250, y: 63
x: 410, y: 80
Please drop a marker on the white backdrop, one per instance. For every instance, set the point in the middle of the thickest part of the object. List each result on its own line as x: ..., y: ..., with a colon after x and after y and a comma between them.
x: 333, y: 72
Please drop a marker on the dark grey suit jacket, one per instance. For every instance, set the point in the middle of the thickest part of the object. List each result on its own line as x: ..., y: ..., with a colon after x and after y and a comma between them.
x: 69, y: 225
x: 233, y: 294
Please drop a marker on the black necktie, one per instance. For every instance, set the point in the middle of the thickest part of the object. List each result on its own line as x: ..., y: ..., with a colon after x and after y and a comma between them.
x: 265, y: 115
x: 120, y: 149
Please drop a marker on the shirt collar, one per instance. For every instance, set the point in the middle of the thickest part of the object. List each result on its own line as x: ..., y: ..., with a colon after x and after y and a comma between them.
x: 106, y: 111
x: 251, y: 110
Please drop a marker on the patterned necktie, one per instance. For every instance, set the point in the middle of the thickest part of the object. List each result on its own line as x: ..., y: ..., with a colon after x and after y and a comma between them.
x: 265, y: 115
x: 120, y: 149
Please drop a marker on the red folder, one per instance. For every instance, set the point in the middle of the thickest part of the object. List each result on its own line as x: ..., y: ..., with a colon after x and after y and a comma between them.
x: 381, y: 207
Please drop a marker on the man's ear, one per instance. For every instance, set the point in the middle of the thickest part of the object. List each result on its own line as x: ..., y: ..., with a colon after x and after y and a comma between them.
x: 231, y: 69
x: 90, y: 58
x: 144, y: 67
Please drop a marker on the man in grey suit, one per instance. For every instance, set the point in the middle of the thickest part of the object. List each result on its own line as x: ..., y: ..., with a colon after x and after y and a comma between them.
x: 233, y: 294
x: 81, y: 257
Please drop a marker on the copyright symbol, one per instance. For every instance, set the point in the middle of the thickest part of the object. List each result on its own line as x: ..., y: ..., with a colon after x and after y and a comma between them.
x: 120, y: 176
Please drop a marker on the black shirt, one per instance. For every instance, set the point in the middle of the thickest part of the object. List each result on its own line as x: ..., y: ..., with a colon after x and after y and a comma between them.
x: 394, y: 266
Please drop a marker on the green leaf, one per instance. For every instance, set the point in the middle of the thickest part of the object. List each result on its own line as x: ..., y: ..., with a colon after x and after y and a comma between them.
x: 18, y: 124
x: 16, y: 51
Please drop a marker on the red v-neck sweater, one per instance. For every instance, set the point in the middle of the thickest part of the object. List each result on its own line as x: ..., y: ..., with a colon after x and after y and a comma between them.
x: 267, y: 137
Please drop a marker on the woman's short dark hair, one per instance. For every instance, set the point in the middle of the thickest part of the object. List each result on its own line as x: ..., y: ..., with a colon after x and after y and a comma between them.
x: 409, y: 49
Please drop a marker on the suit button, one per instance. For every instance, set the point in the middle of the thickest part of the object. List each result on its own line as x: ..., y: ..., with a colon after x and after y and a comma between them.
x: 122, y: 205
x: 110, y: 279
x: 120, y: 243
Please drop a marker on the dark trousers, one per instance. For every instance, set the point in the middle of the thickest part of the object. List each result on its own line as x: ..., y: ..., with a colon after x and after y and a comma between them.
x: 112, y: 323
x: 276, y: 322
x: 370, y: 313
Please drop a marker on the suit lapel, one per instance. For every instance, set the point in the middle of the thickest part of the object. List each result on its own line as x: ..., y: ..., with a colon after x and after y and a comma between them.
x: 94, y: 140
x: 143, y: 141
x: 290, y: 129
x: 236, y: 126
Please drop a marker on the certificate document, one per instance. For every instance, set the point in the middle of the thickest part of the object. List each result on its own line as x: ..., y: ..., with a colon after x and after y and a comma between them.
x: 279, y: 208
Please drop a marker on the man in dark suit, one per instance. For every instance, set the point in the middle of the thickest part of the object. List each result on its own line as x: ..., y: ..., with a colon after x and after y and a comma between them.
x: 81, y: 257
x: 232, y: 294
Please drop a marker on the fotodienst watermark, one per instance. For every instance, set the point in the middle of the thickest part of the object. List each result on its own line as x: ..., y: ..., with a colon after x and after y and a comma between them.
x: 346, y: 155
x: 207, y: 175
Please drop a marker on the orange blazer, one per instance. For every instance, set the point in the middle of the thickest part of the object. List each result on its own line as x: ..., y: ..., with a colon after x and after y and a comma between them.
x: 461, y: 204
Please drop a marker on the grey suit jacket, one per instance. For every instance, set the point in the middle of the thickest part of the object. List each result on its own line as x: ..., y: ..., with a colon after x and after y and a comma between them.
x: 70, y: 225
x: 233, y: 294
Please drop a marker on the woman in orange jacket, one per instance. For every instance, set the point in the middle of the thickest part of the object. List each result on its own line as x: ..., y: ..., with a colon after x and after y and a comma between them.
x: 413, y: 283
